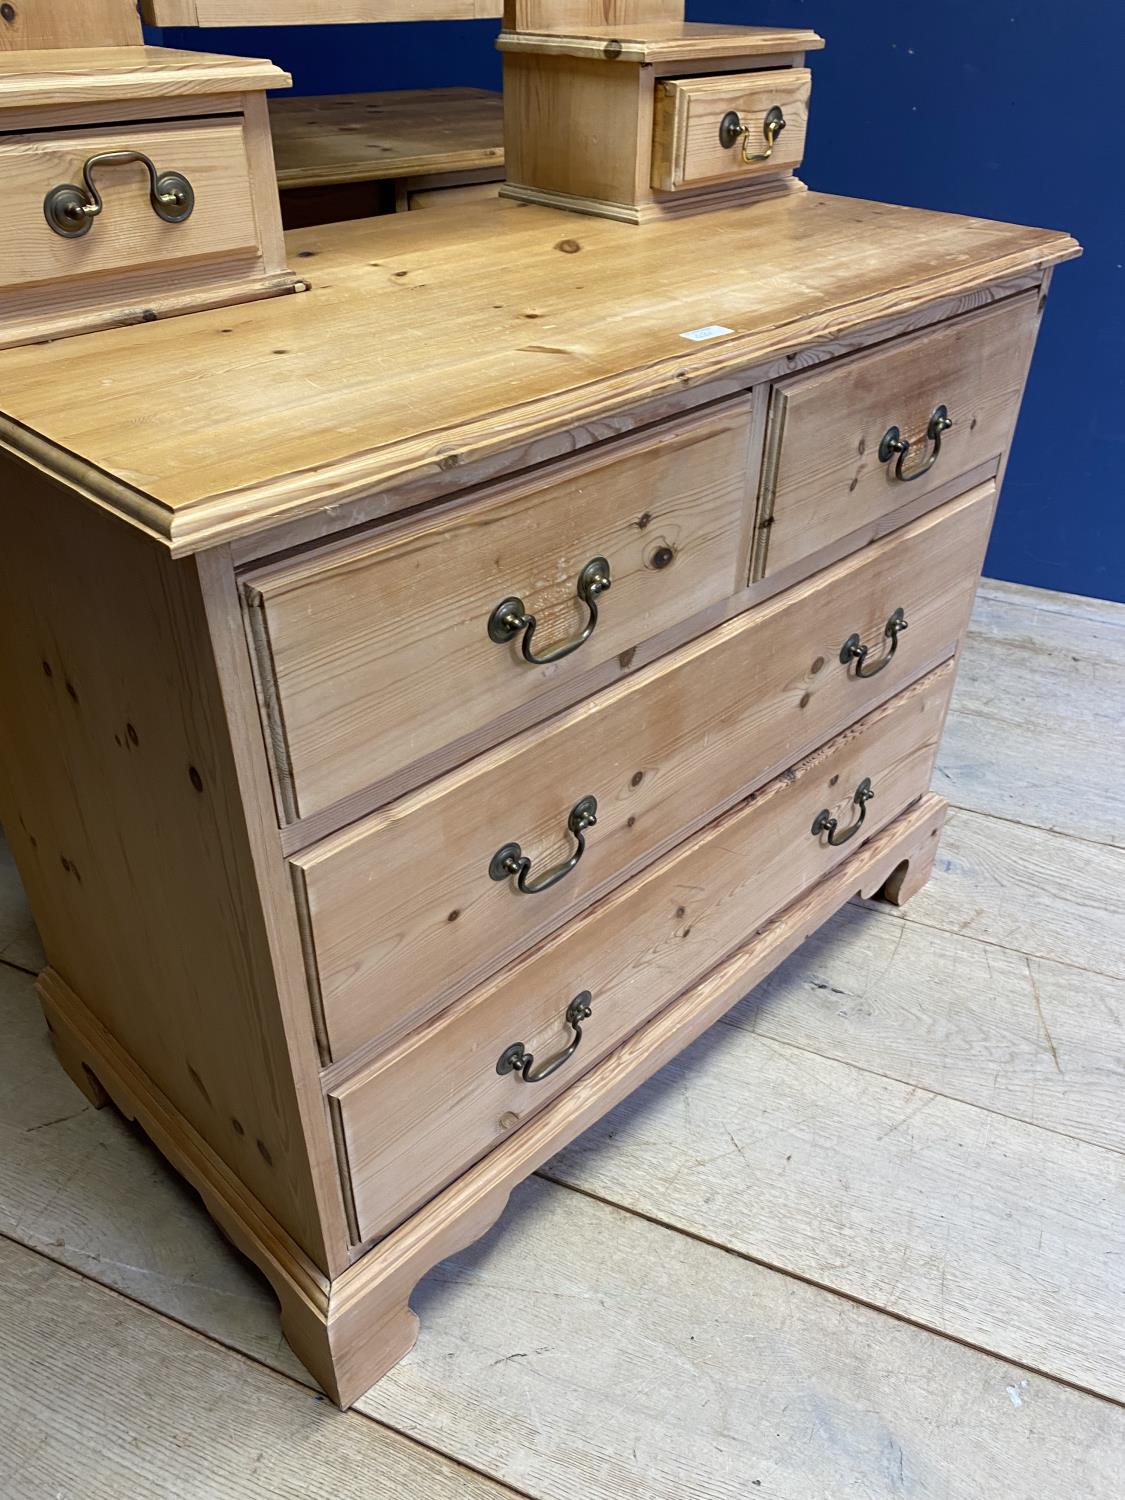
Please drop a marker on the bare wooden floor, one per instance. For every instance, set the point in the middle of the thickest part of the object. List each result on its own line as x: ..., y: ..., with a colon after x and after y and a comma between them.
x: 866, y: 1239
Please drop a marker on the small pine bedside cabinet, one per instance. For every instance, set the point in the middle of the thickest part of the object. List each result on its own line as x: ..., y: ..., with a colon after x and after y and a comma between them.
x: 428, y: 702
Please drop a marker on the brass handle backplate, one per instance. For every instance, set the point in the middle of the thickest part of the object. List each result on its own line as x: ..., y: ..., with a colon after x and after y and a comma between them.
x: 510, y: 617
x: 826, y: 823
x: 511, y: 860
x: 517, y: 1059
x: 853, y: 648
x: 71, y: 210
x: 732, y: 130
x: 894, y: 443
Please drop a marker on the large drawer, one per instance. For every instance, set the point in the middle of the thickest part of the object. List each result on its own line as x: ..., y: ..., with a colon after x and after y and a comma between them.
x: 412, y: 1122
x: 371, y: 654
x: 400, y: 909
x: 831, y: 466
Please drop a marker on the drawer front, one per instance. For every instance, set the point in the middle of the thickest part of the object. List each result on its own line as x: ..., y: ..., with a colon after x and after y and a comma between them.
x: 372, y: 655
x: 128, y: 234
x: 825, y: 475
x: 698, y: 141
x: 412, y: 1122
x: 402, y: 910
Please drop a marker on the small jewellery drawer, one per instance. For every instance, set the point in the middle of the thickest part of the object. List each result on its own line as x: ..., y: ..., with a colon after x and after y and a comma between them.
x: 415, y: 904
x: 859, y: 439
x: 371, y: 654
x: 417, y: 1118
x: 105, y: 202
x: 736, y: 126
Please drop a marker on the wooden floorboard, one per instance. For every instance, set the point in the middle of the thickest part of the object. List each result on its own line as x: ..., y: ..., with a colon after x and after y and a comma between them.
x: 1020, y: 1036
x: 987, y: 1229
x: 103, y: 1400
x: 1037, y: 716
x: 644, y: 1365
x: 921, y: 1110
x: 1076, y: 606
x: 1044, y: 894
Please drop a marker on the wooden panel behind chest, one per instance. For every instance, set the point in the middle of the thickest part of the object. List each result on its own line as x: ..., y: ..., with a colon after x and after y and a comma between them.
x: 823, y: 477
x: 33, y: 24
x: 375, y: 653
x: 401, y: 911
x: 412, y: 1122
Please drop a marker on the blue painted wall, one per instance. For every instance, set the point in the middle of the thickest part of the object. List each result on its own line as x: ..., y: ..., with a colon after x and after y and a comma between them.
x: 1003, y: 108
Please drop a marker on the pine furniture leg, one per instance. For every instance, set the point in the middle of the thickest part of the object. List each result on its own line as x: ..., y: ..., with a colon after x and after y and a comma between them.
x: 69, y: 1054
x: 905, y: 883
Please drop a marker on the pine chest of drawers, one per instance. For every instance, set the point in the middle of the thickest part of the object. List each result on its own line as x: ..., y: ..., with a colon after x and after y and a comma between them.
x: 429, y: 702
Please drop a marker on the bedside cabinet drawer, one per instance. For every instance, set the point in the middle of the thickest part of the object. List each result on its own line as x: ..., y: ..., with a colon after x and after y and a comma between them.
x: 194, y: 205
x: 861, y: 438
x: 374, y: 653
x: 414, y: 905
x: 506, y: 1050
x: 731, y: 127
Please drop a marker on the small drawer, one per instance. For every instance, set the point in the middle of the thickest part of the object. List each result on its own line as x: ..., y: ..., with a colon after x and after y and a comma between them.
x: 506, y: 1050
x: 374, y: 653
x: 732, y: 127
x: 414, y: 905
x: 858, y: 440
x: 202, y: 211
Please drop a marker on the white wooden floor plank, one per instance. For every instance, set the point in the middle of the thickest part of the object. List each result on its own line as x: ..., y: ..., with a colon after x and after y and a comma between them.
x: 1077, y: 606
x: 993, y: 1231
x: 1036, y: 1041
x: 101, y: 1400
x: 1047, y: 776
x: 1044, y: 894
x: 1037, y: 717
x: 586, y: 1353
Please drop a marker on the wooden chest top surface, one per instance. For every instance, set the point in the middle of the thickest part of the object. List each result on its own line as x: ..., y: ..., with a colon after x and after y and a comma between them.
x: 424, y: 344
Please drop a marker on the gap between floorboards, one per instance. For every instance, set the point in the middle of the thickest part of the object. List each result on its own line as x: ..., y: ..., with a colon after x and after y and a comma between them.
x: 909, y: 1083
x: 821, y: 1286
x: 905, y: 915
